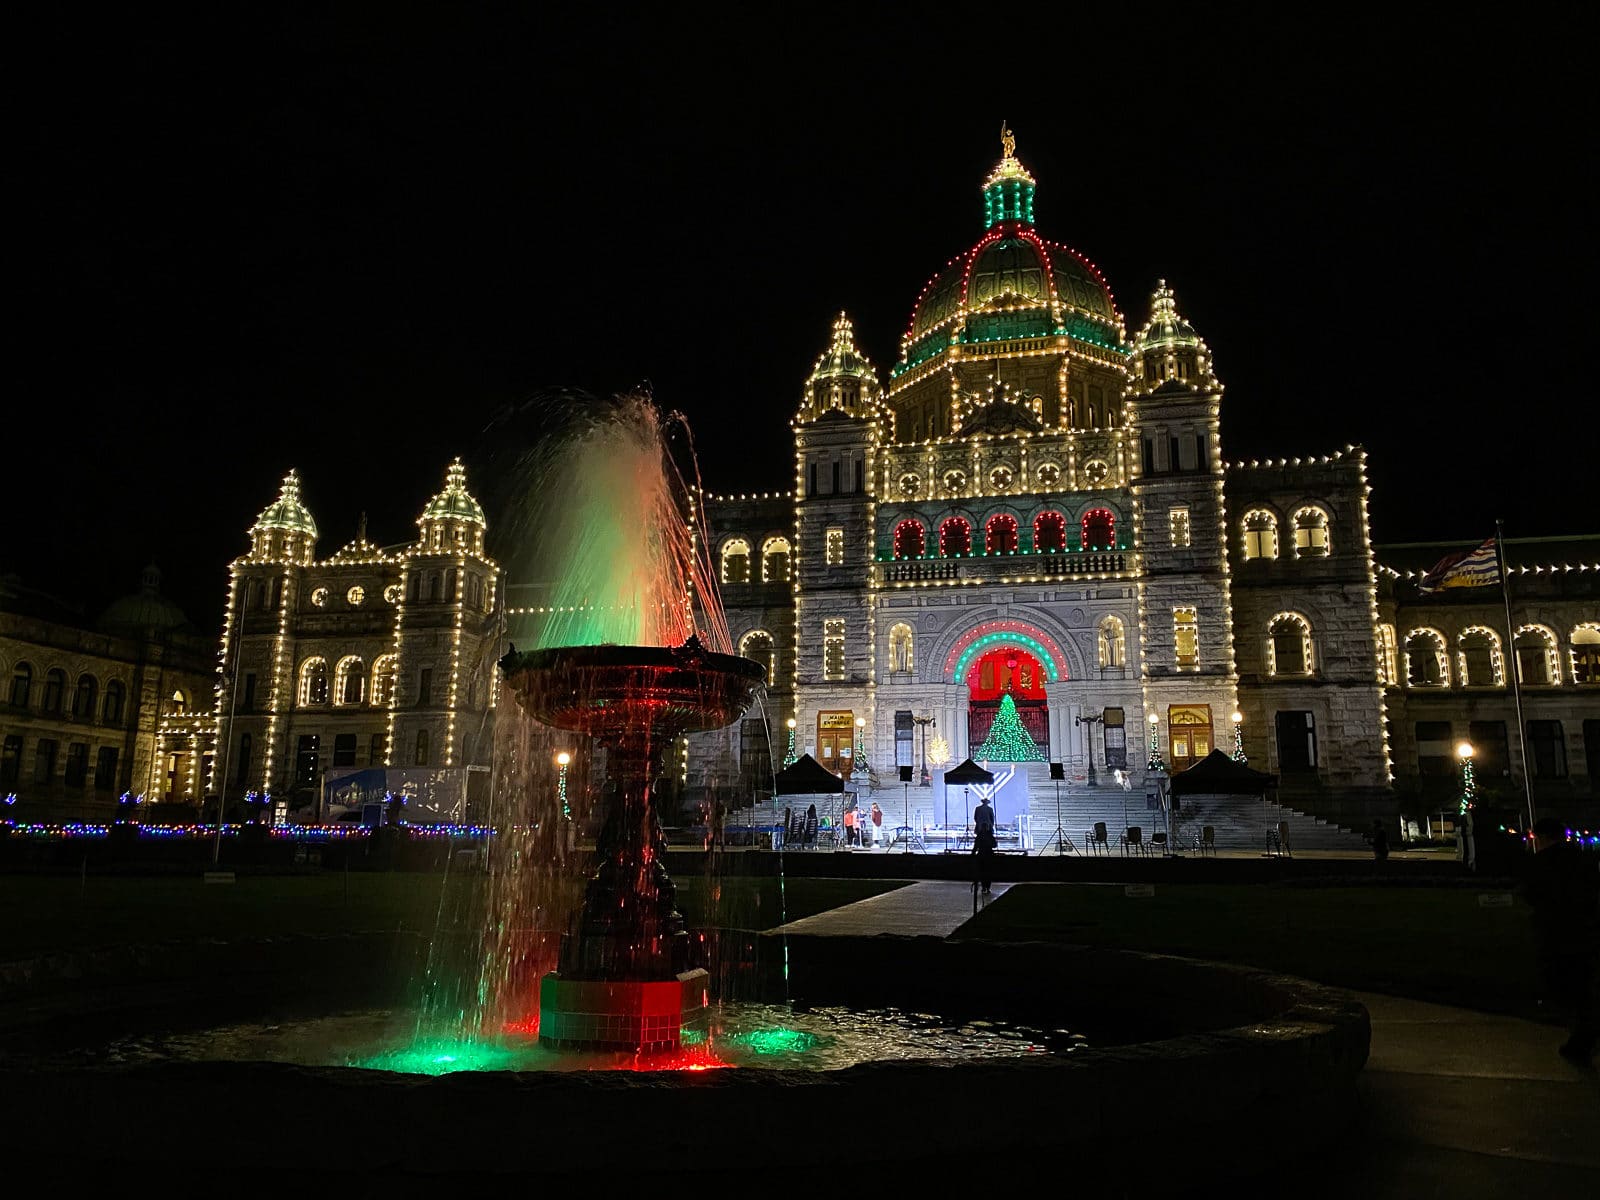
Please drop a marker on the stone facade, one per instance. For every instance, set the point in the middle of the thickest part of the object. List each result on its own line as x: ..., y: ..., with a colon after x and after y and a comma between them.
x: 91, y: 710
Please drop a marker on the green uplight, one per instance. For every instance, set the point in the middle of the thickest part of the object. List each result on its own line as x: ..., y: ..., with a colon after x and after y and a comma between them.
x: 443, y: 1058
x: 691, y: 1037
x: 775, y: 1041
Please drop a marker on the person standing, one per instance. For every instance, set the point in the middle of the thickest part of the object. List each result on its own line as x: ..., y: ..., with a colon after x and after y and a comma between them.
x: 1563, y: 885
x: 877, y: 825
x: 983, y: 843
x: 850, y: 823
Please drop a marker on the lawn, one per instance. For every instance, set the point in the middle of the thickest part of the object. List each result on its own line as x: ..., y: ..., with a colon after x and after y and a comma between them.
x: 1433, y: 943
x: 44, y: 913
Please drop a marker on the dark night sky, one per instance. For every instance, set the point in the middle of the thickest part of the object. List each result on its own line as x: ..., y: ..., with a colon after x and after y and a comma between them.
x: 343, y: 243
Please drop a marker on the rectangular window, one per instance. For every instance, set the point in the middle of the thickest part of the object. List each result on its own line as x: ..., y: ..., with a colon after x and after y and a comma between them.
x: 904, y: 739
x: 1200, y: 452
x: 1172, y: 454
x: 1149, y: 456
x: 1186, y: 636
x: 307, y: 759
x: 344, y: 750
x: 811, y: 479
x: 105, y: 768
x: 44, y: 760
x: 833, y: 649
x: 1548, y: 749
x: 836, y: 473
x: 249, y: 700
x: 1435, y: 753
x: 77, y: 764
x: 1491, y: 753
x: 425, y: 687
x: 860, y: 477
x: 375, y: 755
x: 1187, y: 447
x: 1178, y: 518
x: 420, y: 758
x: 1297, y: 741
x: 11, y: 761
x: 242, y: 761
x: 834, y: 543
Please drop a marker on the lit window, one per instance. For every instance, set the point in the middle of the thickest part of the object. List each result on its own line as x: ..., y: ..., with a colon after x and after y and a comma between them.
x: 1260, y: 534
x: 355, y: 596
x: 834, y: 543
x: 735, y: 561
x: 1427, y: 664
x: 1387, y: 675
x: 1478, y: 659
x: 319, y: 597
x: 1289, y: 645
x: 1000, y: 534
x: 1537, y: 661
x: 1186, y: 636
x: 901, y: 661
x: 775, y: 560
x: 349, y: 681
x: 1050, y: 532
x: 1178, y: 519
x: 314, y: 681
x: 955, y: 537
x: 833, y: 649
x: 757, y: 646
x: 1586, y: 654
x: 909, y: 539
x: 1099, y: 529
x: 1310, y: 533
x: 383, y: 675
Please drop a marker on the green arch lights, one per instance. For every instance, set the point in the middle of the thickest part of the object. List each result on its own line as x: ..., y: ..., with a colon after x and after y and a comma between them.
x: 997, y: 639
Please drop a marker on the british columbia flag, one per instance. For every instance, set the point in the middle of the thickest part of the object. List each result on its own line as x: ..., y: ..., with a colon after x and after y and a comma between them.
x: 1465, y: 568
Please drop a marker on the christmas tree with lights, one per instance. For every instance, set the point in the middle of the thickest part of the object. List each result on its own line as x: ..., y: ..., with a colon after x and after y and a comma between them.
x: 1008, y: 741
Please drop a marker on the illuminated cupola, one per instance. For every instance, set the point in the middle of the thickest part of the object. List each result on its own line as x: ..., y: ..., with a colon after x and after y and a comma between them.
x: 453, y: 520
x: 843, y: 382
x: 1008, y: 192
x: 1169, y: 351
x: 285, y: 530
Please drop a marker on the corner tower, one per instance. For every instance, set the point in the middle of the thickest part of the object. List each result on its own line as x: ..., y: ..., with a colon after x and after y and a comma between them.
x: 837, y: 431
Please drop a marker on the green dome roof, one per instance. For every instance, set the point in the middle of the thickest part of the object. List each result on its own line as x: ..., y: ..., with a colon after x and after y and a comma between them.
x: 287, y: 511
x: 842, y: 360
x: 145, y: 610
x: 1165, y: 327
x: 455, y: 503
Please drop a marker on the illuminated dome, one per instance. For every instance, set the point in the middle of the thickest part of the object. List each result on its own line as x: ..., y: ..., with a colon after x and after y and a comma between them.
x: 843, y: 381
x: 1168, y: 350
x: 288, y: 511
x: 455, y: 503
x: 1012, y: 283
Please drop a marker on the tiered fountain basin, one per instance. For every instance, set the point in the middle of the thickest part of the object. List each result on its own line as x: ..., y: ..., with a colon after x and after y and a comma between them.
x: 624, y: 980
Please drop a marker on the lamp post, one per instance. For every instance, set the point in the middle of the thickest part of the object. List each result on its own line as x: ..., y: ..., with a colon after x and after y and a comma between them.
x: 1469, y: 800
x: 923, y: 723
x: 1238, y: 737
x: 789, y: 755
x: 1091, y: 721
x: 860, y: 763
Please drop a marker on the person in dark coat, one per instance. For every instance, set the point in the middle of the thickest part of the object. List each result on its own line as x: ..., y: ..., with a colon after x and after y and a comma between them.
x: 1563, y: 885
x: 983, y: 843
x: 1379, y: 837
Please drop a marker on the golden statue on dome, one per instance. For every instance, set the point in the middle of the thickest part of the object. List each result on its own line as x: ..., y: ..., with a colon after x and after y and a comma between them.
x: 1008, y: 140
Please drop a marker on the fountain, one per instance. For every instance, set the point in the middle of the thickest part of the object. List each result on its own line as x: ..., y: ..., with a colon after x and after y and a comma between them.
x: 624, y: 980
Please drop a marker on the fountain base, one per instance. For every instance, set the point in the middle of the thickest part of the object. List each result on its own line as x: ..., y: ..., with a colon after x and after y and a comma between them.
x: 637, y: 1016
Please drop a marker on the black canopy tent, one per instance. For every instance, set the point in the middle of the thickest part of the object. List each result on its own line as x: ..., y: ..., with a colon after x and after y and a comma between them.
x: 1218, y: 775
x: 807, y: 777
x: 965, y: 776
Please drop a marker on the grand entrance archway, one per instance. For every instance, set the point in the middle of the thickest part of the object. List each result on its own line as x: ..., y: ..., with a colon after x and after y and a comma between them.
x: 1007, y: 671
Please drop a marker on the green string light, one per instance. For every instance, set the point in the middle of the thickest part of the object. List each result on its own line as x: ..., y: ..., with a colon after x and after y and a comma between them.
x: 1008, y: 741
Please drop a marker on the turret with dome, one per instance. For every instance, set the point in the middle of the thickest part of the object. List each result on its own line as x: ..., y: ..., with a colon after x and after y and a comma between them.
x: 843, y: 381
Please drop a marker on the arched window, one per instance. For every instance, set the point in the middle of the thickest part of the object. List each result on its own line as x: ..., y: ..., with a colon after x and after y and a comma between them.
x: 420, y: 758
x: 735, y: 561
x: 1050, y: 532
x: 955, y: 537
x: 757, y: 645
x: 909, y: 540
x: 774, y: 560
x: 1537, y: 661
x: 314, y: 681
x: 1289, y: 645
x: 21, y: 685
x: 1113, y: 642
x: 1478, y: 658
x: 1310, y: 533
x: 1000, y: 534
x: 1387, y: 674
x: 349, y: 680
x: 111, y: 711
x: 1586, y: 653
x: 901, y: 659
x: 1099, y: 529
x: 383, y: 675
x: 55, y: 684
x: 1427, y: 664
x: 1260, y: 534
x: 83, y: 699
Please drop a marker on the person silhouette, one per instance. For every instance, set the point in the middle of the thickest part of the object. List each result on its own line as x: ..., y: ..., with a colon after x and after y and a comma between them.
x: 983, y: 843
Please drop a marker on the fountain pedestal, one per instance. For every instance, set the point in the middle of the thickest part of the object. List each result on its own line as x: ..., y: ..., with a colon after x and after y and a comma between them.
x: 624, y: 981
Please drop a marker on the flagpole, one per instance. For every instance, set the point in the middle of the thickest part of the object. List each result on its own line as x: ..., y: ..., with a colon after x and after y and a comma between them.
x: 1516, y: 668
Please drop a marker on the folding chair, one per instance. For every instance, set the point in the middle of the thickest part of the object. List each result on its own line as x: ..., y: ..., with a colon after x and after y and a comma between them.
x: 1095, y: 840
x: 1133, y: 838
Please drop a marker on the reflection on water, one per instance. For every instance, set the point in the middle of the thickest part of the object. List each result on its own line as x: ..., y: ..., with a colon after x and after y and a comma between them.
x: 739, y: 1035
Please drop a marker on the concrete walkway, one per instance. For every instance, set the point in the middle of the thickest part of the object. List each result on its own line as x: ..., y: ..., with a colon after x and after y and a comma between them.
x: 936, y: 908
